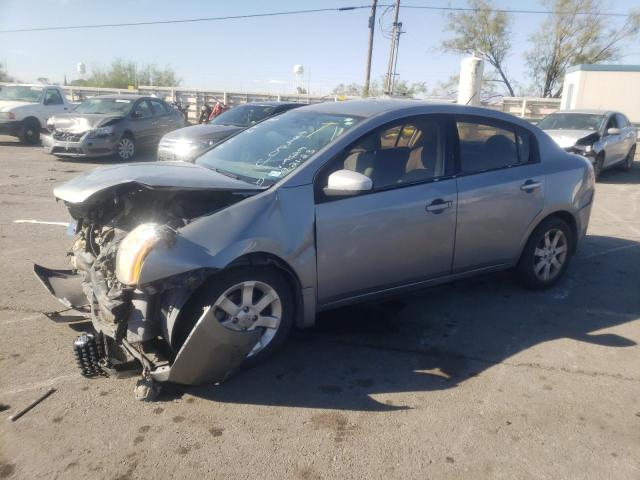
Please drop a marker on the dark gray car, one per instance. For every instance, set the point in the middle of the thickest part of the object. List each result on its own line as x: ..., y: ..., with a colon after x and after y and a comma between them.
x: 189, y: 142
x: 110, y: 124
x: 193, y: 269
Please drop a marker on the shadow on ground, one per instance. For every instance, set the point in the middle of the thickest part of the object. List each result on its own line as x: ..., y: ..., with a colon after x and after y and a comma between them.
x: 441, y: 337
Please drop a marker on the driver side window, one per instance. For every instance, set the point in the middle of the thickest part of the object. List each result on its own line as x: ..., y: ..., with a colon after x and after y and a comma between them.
x: 52, y: 97
x: 144, y: 109
x: 405, y: 152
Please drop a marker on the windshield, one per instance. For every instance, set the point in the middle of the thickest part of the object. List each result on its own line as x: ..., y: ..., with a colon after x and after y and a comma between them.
x: 572, y: 121
x: 20, y: 93
x: 243, y: 115
x: 120, y: 106
x: 271, y: 150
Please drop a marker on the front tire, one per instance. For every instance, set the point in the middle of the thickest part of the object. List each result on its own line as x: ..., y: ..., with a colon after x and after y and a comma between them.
x: 546, y: 255
x: 126, y: 148
x: 30, y: 134
x: 598, y: 166
x: 245, y: 298
x: 628, y: 162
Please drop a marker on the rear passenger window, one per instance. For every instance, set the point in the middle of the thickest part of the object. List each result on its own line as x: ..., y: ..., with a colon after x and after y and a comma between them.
x: 486, y: 146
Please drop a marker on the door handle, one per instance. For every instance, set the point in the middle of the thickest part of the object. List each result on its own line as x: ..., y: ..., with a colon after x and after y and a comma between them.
x: 529, y: 186
x: 438, y: 205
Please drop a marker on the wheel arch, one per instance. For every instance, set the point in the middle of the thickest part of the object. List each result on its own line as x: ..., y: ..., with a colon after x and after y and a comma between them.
x: 564, y: 215
x: 177, y: 303
x: 31, y: 118
x: 292, y: 279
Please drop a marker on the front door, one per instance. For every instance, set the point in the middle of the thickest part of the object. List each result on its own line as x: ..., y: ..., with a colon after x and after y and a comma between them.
x: 400, y: 232
x: 500, y: 192
x: 142, y: 123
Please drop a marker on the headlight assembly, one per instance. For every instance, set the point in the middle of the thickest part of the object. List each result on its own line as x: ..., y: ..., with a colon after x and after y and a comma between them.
x: 7, y: 116
x: 103, y: 131
x: 135, y: 247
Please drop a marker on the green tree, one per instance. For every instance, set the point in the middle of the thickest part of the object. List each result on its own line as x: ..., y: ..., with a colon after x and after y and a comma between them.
x: 485, y: 32
x: 569, y: 37
x: 402, y: 87
x: 121, y: 74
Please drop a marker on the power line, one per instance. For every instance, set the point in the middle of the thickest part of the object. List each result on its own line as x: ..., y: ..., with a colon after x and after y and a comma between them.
x: 294, y: 12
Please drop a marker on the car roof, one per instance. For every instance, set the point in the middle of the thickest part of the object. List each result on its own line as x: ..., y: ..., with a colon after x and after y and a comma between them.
x: 126, y: 97
x: 269, y: 103
x: 586, y: 111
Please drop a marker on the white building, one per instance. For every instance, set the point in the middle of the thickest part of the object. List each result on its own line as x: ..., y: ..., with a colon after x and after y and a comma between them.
x: 604, y: 87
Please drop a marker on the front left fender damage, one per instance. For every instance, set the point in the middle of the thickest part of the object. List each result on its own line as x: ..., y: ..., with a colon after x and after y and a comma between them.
x: 134, y: 324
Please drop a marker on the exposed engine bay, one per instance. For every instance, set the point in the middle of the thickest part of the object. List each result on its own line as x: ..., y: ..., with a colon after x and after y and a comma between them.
x: 130, y: 322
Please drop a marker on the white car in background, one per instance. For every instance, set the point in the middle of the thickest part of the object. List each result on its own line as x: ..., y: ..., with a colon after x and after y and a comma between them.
x: 606, y: 138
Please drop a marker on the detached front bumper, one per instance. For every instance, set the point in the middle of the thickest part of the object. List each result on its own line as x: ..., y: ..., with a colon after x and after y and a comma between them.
x: 82, y: 145
x: 132, y: 327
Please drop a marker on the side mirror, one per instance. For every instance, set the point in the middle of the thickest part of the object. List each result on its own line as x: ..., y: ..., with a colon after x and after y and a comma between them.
x: 347, y: 182
x: 136, y: 114
x: 613, y: 131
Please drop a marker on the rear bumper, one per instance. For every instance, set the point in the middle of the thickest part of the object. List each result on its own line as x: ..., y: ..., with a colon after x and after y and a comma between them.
x: 85, y: 147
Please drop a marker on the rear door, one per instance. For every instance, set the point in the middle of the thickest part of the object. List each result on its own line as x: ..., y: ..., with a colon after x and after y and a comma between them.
x: 400, y: 232
x: 162, y: 121
x: 500, y: 191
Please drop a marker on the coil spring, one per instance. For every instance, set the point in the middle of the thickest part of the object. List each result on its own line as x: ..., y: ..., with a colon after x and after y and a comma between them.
x: 88, y: 352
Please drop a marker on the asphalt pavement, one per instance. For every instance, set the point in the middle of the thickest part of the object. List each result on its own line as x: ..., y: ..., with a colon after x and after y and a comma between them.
x: 478, y: 379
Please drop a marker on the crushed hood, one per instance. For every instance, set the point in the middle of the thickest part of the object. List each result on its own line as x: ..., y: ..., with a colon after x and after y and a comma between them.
x: 7, y: 105
x: 202, y: 132
x: 176, y: 175
x: 79, y: 123
x: 568, y: 138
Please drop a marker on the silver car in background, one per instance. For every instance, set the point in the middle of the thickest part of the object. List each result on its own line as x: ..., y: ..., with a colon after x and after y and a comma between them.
x: 196, y: 269
x: 110, y: 124
x: 187, y: 143
x: 607, y: 139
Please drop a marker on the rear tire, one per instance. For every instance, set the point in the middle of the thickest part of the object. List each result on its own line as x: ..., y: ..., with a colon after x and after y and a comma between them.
x: 30, y: 134
x: 628, y: 162
x: 210, y: 294
x: 546, y: 255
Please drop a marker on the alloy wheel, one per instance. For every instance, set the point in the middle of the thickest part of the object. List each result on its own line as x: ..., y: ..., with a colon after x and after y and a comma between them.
x: 126, y: 148
x: 550, y: 255
x: 248, y: 306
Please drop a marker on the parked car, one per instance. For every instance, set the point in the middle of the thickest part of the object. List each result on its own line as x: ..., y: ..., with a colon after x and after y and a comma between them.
x: 110, y: 124
x: 25, y: 109
x: 197, y: 268
x: 189, y: 142
x: 607, y: 139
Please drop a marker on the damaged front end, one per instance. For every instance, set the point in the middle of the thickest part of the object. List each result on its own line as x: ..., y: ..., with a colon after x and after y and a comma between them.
x: 117, y: 226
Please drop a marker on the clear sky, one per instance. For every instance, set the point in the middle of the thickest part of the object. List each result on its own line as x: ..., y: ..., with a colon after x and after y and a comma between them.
x: 246, y: 54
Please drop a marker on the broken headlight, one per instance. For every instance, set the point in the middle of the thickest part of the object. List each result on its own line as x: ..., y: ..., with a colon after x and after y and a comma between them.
x: 133, y: 250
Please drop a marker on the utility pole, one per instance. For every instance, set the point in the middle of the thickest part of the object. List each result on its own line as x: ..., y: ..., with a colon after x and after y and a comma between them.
x: 372, y: 29
x: 393, y: 53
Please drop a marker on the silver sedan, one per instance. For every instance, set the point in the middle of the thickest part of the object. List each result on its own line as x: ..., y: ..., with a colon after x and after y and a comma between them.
x: 607, y: 139
x: 196, y: 269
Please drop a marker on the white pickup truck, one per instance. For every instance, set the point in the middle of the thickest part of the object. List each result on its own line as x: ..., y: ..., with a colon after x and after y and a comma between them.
x: 24, y: 109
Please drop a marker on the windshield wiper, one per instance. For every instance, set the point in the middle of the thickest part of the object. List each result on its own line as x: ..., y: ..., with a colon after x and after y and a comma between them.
x: 226, y: 173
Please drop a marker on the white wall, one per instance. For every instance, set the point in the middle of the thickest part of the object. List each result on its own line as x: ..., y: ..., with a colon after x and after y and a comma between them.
x: 603, y: 90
